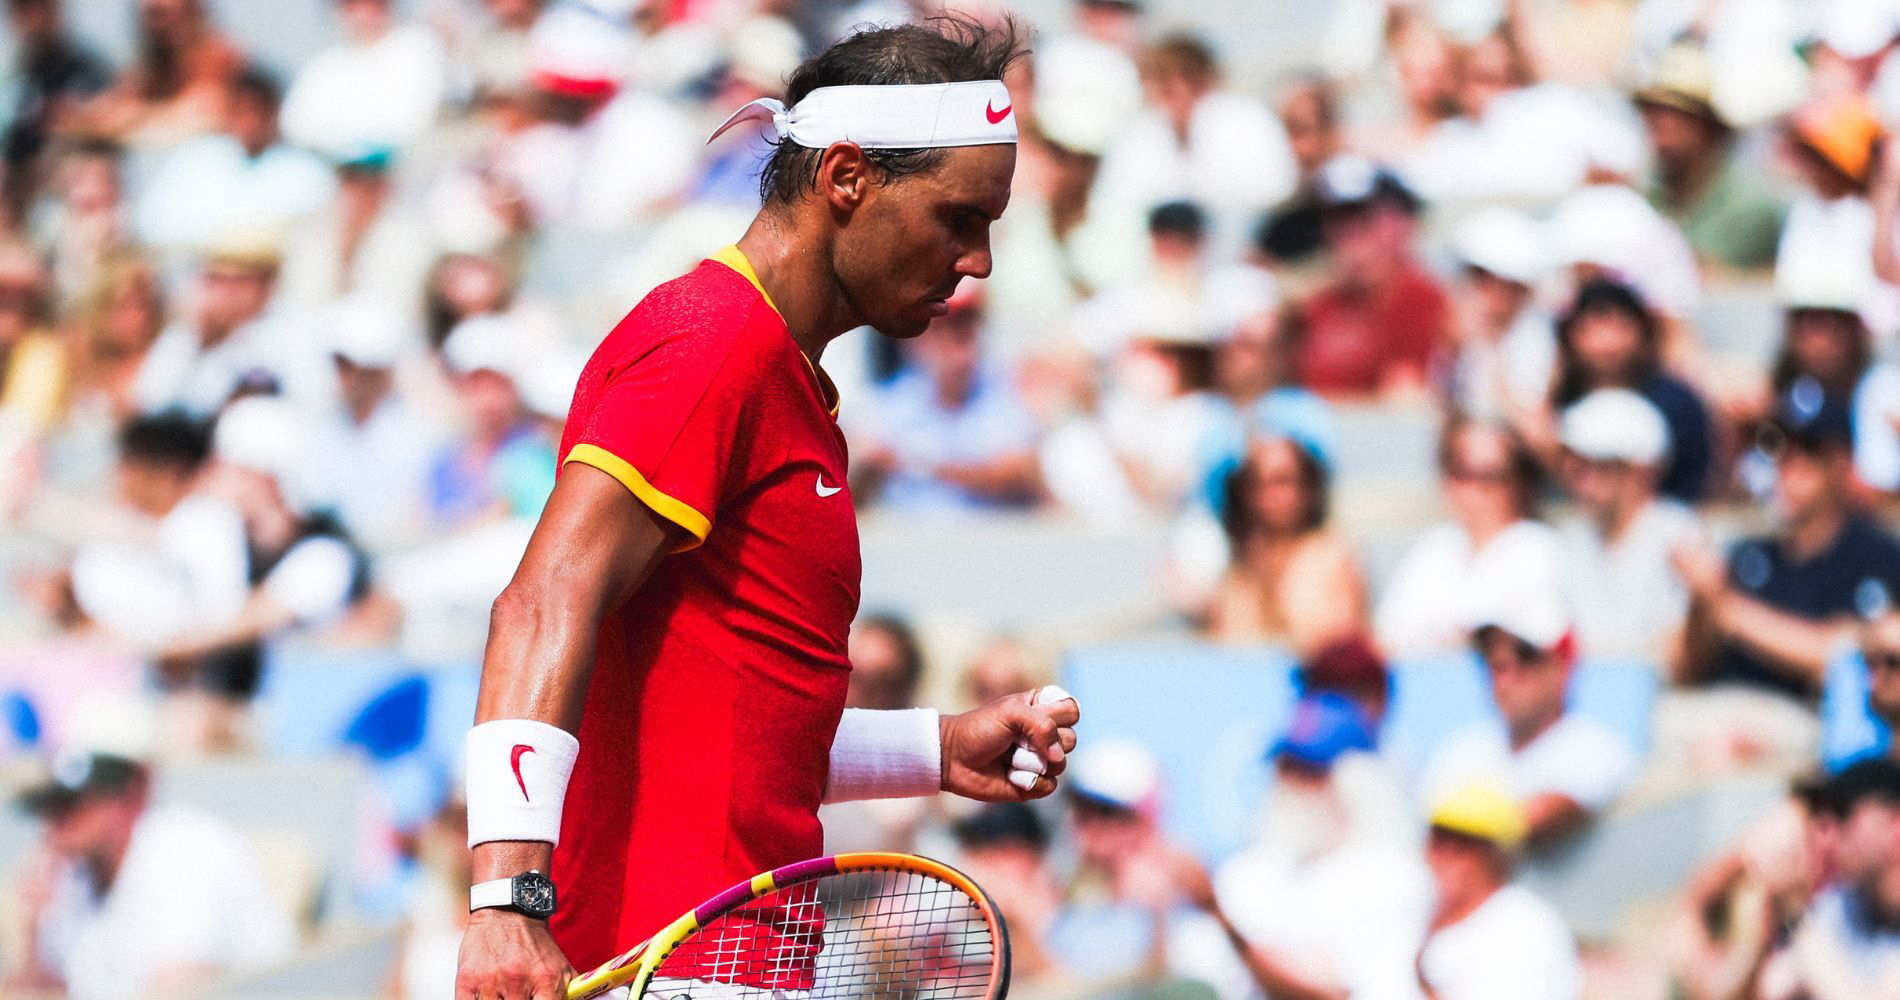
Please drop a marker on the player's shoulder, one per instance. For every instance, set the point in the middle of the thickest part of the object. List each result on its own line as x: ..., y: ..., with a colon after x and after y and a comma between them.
x: 702, y: 317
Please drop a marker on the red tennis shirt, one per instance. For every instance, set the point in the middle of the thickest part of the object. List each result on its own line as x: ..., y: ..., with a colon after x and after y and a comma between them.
x: 717, y: 688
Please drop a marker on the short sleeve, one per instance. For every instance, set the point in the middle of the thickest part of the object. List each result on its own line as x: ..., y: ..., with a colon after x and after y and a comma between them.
x: 666, y: 425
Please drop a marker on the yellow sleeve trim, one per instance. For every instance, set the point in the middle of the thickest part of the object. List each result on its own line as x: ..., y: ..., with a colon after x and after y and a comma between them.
x: 676, y: 511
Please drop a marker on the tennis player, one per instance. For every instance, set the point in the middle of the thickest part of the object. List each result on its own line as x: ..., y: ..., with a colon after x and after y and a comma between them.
x: 661, y: 708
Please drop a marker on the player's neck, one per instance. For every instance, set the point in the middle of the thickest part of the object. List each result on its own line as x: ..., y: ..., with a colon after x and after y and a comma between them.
x: 797, y: 277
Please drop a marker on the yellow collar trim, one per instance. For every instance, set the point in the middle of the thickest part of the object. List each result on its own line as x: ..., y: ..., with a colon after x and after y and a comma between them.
x: 731, y: 256
x: 735, y: 258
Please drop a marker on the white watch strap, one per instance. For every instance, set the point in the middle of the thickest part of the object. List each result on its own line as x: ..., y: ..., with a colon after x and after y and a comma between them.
x: 496, y: 892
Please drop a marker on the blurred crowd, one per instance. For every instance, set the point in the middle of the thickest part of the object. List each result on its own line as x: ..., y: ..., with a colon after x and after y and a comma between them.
x: 285, y: 352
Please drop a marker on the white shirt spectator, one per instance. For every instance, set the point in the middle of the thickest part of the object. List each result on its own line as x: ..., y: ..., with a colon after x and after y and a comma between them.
x: 391, y: 262
x: 196, y: 573
x: 611, y: 172
x: 208, y: 189
x: 909, y: 419
x: 1532, y: 143
x: 1351, y: 917
x: 382, y: 93
x: 1877, y: 428
x: 1492, y: 379
x: 1575, y: 758
x: 1443, y: 585
x: 1512, y: 947
x: 385, y: 510
x: 180, y: 372
x: 1236, y: 164
x: 313, y: 580
x: 189, y: 892
x: 1625, y: 599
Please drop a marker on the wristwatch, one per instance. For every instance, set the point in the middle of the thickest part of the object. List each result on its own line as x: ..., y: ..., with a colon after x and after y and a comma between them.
x: 529, y: 893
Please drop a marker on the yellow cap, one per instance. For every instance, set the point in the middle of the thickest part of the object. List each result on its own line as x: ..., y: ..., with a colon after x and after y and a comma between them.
x: 1682, y: 82
x: 1485, y: 812
x: 1843, y: 129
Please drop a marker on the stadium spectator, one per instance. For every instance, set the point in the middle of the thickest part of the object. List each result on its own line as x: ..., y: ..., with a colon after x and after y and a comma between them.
x: 1197, y: 142
x: 54, y: 73
x: 1563, y: 769
x: 1489, y: 937
x: 200, y: 360
x: 1771, y: 617
x: 34, y: 372
x: 1001, y: 666
x: 1729, y: 216
x: 117, y: 321
x: 1352, y: 667
x: 1860, y: 699
x: 1506, y: 347
x: 1126, y: 917
x: 1309, y: 109
x: 108, y: 913
x: 1626, y: 598
x: 242, y: 182
x: 948, y: 433
x: 1609, y: 232
x: 1846, y: 948
x: 489, y: 48
x: 1611, y: 339
x: 1493, y: 545
x: 887, y: 664
x: 1005, y: 846
x: 1827, y: 352
x: 1329, y: 901
x: 377, y: 425
x: 461, y: 286
x: 380, y: 87
x: 363, y: 242
x: 1378, y: 322
x: 1291, y: 580
x: 83, y: 219
x: 299, y: 569
x: 178, y: 84
x: 501, y: 468
x: 1830, y: 225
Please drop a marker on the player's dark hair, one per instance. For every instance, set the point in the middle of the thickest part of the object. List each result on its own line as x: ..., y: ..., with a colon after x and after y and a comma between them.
x: 947, y: 49
x: 169, y: 439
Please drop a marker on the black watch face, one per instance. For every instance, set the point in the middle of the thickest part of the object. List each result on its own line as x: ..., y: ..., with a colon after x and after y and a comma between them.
x: 534, y: 894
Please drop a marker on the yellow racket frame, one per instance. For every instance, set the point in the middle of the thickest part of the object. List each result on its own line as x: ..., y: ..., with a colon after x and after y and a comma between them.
x: 638, y: 965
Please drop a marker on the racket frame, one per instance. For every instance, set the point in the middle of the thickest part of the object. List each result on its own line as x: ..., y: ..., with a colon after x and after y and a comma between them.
x: 638, y: 966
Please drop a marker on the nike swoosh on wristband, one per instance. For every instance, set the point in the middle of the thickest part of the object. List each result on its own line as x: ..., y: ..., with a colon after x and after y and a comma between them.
x: 995, y: 116
x: 520, y: 748
x: 825, y: 491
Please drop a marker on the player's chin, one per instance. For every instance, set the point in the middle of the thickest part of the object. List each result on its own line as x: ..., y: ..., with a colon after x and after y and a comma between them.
x: 912, y: 322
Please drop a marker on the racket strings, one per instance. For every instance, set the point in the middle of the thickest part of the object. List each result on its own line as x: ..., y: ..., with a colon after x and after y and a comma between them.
x: 876, y: 935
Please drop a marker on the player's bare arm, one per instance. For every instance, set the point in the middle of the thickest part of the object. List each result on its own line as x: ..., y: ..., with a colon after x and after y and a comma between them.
x: 593, y: 547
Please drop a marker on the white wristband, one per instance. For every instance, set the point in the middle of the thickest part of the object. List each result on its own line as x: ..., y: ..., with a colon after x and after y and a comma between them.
x: 517, y: 780
x: 885, y: 755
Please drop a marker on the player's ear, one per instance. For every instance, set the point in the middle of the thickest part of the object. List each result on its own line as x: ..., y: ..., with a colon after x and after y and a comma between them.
x: 844, y: 176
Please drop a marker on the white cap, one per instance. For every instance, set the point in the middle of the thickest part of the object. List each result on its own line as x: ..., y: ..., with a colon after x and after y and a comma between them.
x: 764, y: 50
x: 1825, y: 276
x: 1613, y: 227
x: 574, y: 49
x: 367, y: 332
x: 548, y: 384
x: 1086, y: 92
x: 1118, y: 773
x: 1857, y: 29
x: 264, y: 434
x: 1534, y: 614
x: 1467, y: 22
x: 1504, y: 242
x: 491, y: 342
x: 117, y: 725
x: 1616, y: 425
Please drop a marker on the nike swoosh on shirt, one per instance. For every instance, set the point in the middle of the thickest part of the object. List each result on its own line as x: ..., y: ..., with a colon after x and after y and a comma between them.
x: 520, y: 748
x: 825, y: 491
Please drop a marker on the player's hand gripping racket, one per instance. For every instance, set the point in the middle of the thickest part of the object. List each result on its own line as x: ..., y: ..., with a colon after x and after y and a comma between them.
x: 869, y: 926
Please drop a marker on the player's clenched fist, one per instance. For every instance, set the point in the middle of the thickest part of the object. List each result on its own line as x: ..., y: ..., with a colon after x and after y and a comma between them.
x: 1011, y: 749
x: 509, y: 956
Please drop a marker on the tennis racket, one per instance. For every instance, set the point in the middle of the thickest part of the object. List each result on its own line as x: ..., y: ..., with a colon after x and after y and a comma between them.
x: 870, y: 926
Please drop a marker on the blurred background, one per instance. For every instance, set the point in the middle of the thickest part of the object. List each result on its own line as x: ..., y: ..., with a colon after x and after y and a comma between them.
x: 1448, y: 446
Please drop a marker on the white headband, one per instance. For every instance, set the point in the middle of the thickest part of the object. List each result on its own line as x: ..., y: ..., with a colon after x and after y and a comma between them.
x: 900, y: 116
